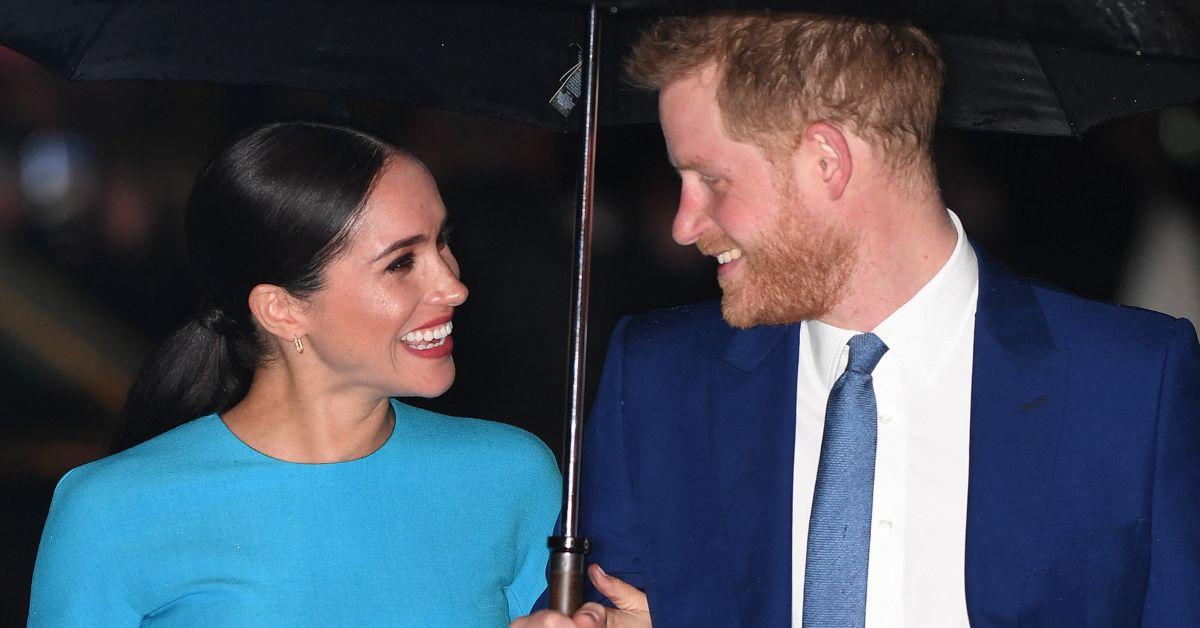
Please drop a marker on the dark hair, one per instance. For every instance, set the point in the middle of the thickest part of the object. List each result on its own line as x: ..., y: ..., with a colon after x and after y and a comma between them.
x: 274, y: 207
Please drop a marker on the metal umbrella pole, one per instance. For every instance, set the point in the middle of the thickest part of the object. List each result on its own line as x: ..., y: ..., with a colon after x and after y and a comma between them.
x: 567, y: 558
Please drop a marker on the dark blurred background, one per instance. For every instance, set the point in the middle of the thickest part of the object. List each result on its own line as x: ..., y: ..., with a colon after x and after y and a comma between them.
x: 93, y: 177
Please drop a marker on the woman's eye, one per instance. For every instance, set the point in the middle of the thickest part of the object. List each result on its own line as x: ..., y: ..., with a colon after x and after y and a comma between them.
x: 404, y: 262
x: 443, y: 238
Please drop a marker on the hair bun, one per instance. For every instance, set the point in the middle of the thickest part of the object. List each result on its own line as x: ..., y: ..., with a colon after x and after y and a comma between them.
x: 214, y: 318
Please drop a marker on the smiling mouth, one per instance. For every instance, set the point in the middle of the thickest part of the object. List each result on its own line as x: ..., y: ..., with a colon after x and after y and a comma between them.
x: 429, y: 337
x: 728, y: 256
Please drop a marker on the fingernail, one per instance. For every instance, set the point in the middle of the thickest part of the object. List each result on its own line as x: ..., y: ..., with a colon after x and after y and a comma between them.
x: 590, y: 613
x: 603, y: 574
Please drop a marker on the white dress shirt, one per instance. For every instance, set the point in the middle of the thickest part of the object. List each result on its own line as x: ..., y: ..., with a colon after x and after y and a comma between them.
x: 923, y: 394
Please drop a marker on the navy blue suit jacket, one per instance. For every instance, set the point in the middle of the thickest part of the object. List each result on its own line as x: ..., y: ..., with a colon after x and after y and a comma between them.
x: 1083, y: 501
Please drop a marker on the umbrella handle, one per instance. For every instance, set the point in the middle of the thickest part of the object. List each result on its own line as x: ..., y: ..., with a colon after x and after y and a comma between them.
x: 566, y: 573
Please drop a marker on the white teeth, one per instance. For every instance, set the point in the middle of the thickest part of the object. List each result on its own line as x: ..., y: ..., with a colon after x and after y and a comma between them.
x: 729, y: 256
x: 430, y: 337
x: 437, y: 343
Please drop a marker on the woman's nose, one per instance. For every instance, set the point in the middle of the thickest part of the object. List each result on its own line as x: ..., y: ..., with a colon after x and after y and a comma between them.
x: 450, y: 290
x: 453, y: 293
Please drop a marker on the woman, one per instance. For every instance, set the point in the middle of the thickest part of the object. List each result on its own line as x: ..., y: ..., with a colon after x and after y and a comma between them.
x: 304, y: 494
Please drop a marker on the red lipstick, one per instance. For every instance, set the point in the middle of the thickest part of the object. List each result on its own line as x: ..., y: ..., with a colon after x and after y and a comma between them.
x: 445, y: 348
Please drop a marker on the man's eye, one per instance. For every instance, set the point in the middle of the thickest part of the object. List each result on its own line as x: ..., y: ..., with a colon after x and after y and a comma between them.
x: 716, y: 184
x: 404, y: 262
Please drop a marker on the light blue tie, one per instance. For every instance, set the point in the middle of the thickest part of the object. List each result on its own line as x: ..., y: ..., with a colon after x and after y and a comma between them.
x: 839, y: 531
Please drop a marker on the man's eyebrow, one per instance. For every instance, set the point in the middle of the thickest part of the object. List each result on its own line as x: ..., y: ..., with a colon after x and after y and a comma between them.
x: 686, y: 164
x: 399, y: 244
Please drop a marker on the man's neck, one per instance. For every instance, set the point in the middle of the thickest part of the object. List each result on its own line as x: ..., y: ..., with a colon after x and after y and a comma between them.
x: 900, y: 251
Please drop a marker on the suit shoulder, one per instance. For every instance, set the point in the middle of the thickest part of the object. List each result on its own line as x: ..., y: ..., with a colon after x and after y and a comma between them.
x: 687, y: 324
x: 1082, y: 323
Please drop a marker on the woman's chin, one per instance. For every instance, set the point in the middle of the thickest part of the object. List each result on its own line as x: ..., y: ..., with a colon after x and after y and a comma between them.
x: 429, y: 388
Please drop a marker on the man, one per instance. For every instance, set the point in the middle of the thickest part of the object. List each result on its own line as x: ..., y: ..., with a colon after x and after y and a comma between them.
x: 880, y: 425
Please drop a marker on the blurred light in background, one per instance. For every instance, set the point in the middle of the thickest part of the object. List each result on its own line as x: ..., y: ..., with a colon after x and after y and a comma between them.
x: 58, y: 175
x: 1179, y: 132
x: 1162, y: 272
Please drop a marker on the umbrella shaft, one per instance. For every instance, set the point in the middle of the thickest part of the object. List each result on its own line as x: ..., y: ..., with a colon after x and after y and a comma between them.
x: 566, y: 562
x: 582, y: 270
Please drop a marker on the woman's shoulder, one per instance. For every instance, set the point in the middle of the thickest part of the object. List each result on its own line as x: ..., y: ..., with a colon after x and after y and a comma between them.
x: 130, y: 472
x: 499, y: 445
x: 414, y: 422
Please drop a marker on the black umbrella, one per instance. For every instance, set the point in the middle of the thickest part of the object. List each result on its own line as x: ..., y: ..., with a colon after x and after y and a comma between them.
x: 1051, y: 67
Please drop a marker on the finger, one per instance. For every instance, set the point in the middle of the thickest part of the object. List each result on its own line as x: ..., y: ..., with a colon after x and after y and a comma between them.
x: 623, y: 595
x: 590, y: 615
x: 545, y: 619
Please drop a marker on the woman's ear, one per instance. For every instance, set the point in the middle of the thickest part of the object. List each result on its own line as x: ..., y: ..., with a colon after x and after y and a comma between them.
x: 827, y: 146
x: 278, y: 312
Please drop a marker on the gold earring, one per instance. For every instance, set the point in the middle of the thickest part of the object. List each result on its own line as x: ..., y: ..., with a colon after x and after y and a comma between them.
x: 299, y: 344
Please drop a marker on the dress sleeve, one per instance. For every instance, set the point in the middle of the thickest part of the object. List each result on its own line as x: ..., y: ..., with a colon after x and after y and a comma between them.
x: 77, y: 580
x: 543, y: 500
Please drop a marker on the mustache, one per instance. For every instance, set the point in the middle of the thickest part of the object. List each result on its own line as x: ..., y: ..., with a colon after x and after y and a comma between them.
x: 712, y: 244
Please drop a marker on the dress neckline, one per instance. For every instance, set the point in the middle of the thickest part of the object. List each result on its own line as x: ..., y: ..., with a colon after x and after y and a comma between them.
x: 373, y: 455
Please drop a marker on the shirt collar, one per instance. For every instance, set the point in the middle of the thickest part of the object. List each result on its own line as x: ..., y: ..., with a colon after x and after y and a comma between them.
x: 828, y: 344
x: 921, y: 332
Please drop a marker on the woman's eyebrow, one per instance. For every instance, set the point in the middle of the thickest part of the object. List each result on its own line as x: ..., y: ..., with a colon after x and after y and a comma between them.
x: 399, y: 244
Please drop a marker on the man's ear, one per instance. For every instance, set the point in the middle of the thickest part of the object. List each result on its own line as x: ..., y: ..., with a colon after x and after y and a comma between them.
x: 277, y: 312
x: 829, y: 152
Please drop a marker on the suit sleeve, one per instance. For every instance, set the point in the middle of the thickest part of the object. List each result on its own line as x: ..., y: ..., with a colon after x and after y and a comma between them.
x: 608, y: 512
x: 1173, y: 591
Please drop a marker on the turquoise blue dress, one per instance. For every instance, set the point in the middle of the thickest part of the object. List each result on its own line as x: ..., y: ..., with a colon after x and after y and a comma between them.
x: 444, y: 525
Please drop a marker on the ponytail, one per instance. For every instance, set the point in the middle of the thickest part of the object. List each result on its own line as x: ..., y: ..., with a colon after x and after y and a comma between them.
x: 194, y: 373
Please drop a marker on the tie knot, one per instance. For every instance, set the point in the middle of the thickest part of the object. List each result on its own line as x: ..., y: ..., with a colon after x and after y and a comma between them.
x: 865, y: 352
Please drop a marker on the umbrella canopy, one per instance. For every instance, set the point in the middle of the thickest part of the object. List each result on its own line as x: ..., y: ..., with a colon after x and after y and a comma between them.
x: 1048, y: 67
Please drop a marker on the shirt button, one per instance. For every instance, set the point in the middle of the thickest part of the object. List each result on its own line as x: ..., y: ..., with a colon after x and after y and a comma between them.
x: 885, y: 524
x: 885, y: 418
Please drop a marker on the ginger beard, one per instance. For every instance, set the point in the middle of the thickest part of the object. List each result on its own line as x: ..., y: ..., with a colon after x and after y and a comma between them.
x: 794, y: 272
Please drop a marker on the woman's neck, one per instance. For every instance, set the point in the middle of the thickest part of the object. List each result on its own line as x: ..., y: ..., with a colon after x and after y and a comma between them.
x: 290, y: 419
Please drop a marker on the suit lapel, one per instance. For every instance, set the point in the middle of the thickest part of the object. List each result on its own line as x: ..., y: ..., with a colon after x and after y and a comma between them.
x: 753, y: 400
x: 1018, y: 394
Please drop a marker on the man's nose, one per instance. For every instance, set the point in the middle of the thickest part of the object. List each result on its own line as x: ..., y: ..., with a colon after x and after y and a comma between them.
x: 690, y: 221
